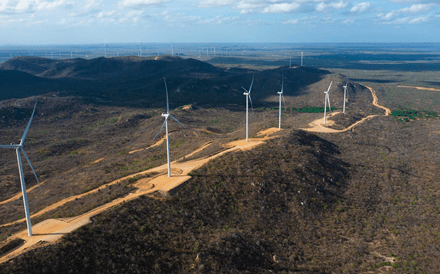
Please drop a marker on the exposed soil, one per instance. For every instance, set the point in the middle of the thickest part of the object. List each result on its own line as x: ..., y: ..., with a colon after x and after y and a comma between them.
x: 357, y: 201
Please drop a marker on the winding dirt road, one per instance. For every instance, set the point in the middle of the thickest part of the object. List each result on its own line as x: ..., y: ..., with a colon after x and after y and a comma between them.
x: 51, y: 230
x: 318, y: 125
x: 419, y: 88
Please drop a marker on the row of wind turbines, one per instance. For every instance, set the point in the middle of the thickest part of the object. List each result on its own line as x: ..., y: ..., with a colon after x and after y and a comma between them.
x: 19, y: 148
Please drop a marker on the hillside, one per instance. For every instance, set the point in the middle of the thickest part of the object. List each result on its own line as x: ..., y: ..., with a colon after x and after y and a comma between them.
x: 138, y: 82
x: 359, y: 201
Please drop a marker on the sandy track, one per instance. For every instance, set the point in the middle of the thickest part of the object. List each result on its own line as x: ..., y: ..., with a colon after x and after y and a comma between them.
x: 419, y: 88
x: 375, y: 102
x: 318, y: 125
x: 51, y: 230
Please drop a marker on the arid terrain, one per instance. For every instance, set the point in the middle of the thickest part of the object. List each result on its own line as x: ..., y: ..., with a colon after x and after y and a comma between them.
x: 345, y: 197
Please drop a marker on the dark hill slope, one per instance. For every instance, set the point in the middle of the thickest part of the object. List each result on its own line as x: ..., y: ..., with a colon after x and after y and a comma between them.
x: 19, y: 84
x: 236, y: 213
x: 139, y: 82
x: 109, y: 69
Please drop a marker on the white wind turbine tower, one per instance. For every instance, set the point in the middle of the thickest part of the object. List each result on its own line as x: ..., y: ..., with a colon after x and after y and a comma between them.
x: 140, y: 50
x: 105, y: 48
x: 302, y: 57
x: 345, y: 93
x: 248, y: 98
x: 19, y: 148
x: 172, y: 49
x: 167, y: 115
x: 327, y: 98
x: 281, y: 95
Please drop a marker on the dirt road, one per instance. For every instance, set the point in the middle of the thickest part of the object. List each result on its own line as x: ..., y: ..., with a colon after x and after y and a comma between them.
x: 51, y: 230
x: 419, y: 88
x: 318, y: 125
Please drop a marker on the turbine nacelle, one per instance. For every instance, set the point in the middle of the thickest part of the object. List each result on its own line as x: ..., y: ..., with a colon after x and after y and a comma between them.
x: 279, y: 92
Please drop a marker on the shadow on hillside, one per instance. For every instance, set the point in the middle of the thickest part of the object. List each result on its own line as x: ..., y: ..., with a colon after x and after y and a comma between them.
x: 374, y: 81
x: 432, y: 83
x: 138, y: 82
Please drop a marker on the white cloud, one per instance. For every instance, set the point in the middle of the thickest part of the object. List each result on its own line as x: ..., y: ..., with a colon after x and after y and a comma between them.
x: 133, y: 16
x: 323, y: 7
x: 23, y: 6
x: 137, y: 3
x: 218, y: 20
x: 52, y: 5
x: 106, y: 14
x: 92, y: 5
x: 361, y: 7
x: 215, y: 3
x: 348, y: 21
x: 291, y: 22
x: 417, y: 8
x: 281, y: 8
x: 414, y: 1
x: 303, y: 20
x: 419, y: 20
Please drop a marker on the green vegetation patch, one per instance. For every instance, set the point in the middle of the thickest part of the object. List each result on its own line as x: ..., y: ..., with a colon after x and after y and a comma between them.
x: 411, y: 114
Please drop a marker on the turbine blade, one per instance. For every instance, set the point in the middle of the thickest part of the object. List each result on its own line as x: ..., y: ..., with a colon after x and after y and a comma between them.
x: 29, y: 162
x: 28, y: 126
x: 329, y: 87
x: 160, y: 129
x: 244, y: 89
x: 250, y: 99
x: 178, y: 121
x: 166, y: 90
x: 8, y: 146
x: 253, y: 76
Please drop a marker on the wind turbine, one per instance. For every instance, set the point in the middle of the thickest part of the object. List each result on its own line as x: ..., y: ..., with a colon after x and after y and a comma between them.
x: 19, y: 148
x: 327, y: 98
x: 281, y: 95
x: 167, y: 115
x: 345, y: 93
x: 248, y: 98
x: 302, y: 57
x: 140, y: 50
x: 105, y: 48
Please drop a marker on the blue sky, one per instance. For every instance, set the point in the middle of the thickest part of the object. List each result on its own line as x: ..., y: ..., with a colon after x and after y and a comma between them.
x: 267, y: 21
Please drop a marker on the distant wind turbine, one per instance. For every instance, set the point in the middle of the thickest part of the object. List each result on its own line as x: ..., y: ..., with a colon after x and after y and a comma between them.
x: 248, y: 98
x: 302, y: 57
x: 167, y: 115
x: 281, y: 95
x: 327, y: 98
x: 19, y: 148
x: 105, y: 48
x: 345, y: 93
